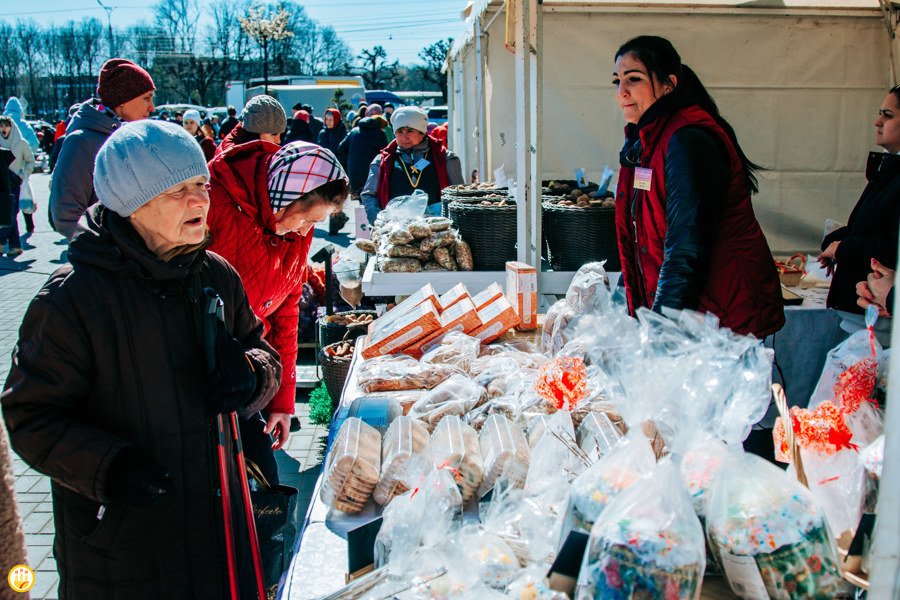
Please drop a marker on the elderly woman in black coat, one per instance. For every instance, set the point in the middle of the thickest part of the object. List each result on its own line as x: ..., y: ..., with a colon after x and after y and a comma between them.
x: 118, y: 382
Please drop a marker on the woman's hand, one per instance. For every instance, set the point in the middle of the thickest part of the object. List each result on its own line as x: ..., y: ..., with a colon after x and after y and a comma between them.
x: 279, y: 425
x: 828, y: 258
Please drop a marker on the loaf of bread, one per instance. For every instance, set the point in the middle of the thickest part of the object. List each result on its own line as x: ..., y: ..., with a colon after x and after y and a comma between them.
x: 353, y: 466
x: 404, y: 438
x: 398, y: 372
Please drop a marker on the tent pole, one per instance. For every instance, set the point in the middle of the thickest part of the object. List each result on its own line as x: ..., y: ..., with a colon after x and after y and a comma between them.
x: 885, y: 555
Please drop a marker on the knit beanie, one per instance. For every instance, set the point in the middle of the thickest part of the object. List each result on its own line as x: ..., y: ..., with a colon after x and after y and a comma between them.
x: 298, y: 168
x: 120, y: 81
x: 142, y: 159
x: 374, y: 109
x: 410, y: 116
x: 264, y: 114
x: 193, y: 115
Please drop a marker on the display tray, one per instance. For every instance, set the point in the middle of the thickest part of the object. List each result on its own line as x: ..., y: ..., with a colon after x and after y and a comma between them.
x: 376, y: 283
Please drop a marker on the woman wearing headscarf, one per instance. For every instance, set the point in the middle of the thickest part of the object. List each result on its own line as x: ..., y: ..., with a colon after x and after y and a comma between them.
x: 334, y: 131
x: 117, y: 382
x: 688, y: 237
x: 266, y: 200
x: 191, y: 122
x: 19, y: 171
x: 413, y: 161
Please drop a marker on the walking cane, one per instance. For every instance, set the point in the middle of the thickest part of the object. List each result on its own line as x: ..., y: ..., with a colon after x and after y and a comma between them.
x: 215, y: 310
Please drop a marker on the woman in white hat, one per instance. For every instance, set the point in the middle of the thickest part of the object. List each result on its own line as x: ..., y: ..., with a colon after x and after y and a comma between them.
x: 191, y: 121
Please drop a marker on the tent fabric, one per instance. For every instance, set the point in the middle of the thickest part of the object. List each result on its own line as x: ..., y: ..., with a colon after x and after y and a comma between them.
x: 801, y: 90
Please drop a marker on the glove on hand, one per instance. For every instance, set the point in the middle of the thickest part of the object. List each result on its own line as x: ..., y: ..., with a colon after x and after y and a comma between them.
x: 233, y: 382
x: 135, y: 478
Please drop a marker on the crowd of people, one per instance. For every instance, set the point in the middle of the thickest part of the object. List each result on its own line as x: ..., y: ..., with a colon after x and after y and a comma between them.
x: 188, y: 247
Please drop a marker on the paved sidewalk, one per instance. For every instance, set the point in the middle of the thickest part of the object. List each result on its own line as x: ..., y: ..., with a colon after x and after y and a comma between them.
x: 20, y: 280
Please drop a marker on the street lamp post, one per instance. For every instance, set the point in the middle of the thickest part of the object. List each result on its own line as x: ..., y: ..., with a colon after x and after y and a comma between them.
x: 109, y: 9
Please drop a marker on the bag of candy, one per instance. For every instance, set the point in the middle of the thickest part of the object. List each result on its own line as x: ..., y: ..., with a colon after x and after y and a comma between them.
x: 556, y: 454
x: 770, y: 533
x: 529, y: 585
x: 647, y: 543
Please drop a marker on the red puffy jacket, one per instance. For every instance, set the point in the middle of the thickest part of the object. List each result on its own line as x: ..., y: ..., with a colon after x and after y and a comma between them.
x: 272, y: 267
x: 743, y: 288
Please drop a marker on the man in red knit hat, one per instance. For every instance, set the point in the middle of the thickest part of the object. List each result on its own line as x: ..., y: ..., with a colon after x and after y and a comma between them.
x: 124, y: 93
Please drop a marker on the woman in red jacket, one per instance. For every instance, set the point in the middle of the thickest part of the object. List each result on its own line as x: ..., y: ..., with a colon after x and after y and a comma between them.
x: 688, y: 237
x: 264, y: 202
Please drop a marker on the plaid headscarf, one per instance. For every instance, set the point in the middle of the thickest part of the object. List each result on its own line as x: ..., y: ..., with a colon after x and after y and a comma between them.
x: 298, y: 168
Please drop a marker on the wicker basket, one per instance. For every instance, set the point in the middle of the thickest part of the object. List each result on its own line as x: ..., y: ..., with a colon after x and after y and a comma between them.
x: 579, y: 235
x: 790, y: 273
x: 548, y: 191
x: 329, y: 333
x: 335, y: 370
x: 489, y: 230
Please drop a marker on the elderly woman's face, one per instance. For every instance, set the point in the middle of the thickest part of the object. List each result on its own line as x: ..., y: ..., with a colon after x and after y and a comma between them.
x: 176, y: 217
x: 887, y: 125
x: 329, y: 120
x: 301, y: 216
x: 407, y: 137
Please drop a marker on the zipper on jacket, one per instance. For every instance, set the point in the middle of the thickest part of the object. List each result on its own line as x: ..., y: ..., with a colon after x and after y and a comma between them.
x: 637, y: 250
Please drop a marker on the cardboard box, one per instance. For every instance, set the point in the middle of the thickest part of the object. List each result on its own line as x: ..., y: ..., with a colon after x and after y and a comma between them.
x: 461, y: 317
x: 497, y: 318
x: 487, y: 295
x: 521, y: 291
x: 403, y: 331
x: 453, y: 295
x: 424, y: 293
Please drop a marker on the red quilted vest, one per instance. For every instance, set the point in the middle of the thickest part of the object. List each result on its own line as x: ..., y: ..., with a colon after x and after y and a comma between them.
x: 743, y: 289
x: 389, y: 154
x: 272, y: 267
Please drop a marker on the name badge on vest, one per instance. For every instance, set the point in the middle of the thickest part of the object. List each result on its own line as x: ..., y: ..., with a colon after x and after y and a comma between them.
x: 421, y: 164
x: 642, y: 178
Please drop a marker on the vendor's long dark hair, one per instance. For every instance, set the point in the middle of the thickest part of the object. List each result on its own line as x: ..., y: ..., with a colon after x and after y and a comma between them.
x: 662, y: 60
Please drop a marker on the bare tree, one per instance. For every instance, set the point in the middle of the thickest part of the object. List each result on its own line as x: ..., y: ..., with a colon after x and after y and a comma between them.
x: 144, y: 43
x: 376, y: 71
x: 27, y: 35
x: 10, y: 61
x: 178, y: 19
x: 435, y: 56
x: 265, y: 26
x: 89, y: 40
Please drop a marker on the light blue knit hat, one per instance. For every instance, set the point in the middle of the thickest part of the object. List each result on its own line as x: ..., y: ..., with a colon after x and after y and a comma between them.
x: 142, y: 159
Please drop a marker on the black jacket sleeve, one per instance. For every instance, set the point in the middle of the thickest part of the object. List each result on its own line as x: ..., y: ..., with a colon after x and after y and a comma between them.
x: 696, y: 176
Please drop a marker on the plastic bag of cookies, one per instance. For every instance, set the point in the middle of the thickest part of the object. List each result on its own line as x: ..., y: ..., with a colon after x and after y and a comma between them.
x: 404, y: 439
x: 505, y: 452
x: 352, y: 467
x: 455, y: 396
x: 455, y: 445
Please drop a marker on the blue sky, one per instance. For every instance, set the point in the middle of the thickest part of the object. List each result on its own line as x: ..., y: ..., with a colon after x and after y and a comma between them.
x: 403, y: 27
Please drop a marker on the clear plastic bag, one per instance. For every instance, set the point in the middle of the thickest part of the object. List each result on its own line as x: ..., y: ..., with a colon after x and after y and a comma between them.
x: 486, y: 555
x: 698, y: 468
x: 595, y: 488
x: 872, y: 456
x: 770, y: 533
x: 404, y: 208
x: 859, y: 355
x: 352, y: 467
x: 505, y: 452
x: 648, y: 543
x: 838, y: 483
x: 556, y: 456
x: 529, y: 585
x: 597, y: 435
x: 455, y: 396
x: 455, y: 349
x: 398, y: 372
x: 404, y: 439
x: 455, y: 446
x: 589, y: 290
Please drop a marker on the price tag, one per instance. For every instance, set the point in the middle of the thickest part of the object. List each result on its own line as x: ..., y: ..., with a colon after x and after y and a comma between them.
x: 579, y: 177
x: 500, y: 177
x: 362, y: 224
x: 421, y: 164
x: 642, y: 178
x: 743, y: 577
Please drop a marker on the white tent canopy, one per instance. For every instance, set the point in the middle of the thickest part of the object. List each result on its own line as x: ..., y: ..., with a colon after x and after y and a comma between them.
x: 800, y: 82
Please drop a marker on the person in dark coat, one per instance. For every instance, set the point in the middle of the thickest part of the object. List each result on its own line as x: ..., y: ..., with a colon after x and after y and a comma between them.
x: 228, y: 123
x: 334, y: 132
x: 124, y: 93
x: 110, y: 393
x: 300, y: 130
x: 361, y: 145
x: 315, y: 123
x: 688, y: 238
x: 872, y: 229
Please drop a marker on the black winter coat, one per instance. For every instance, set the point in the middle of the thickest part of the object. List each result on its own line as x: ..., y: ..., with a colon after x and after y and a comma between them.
x: 871, y: 232
x: 332, y: 138
x: 357, y: 151
x: 110, y: 356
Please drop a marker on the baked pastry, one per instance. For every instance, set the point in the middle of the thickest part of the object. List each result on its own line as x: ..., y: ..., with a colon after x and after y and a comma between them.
x: 353, y: 466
